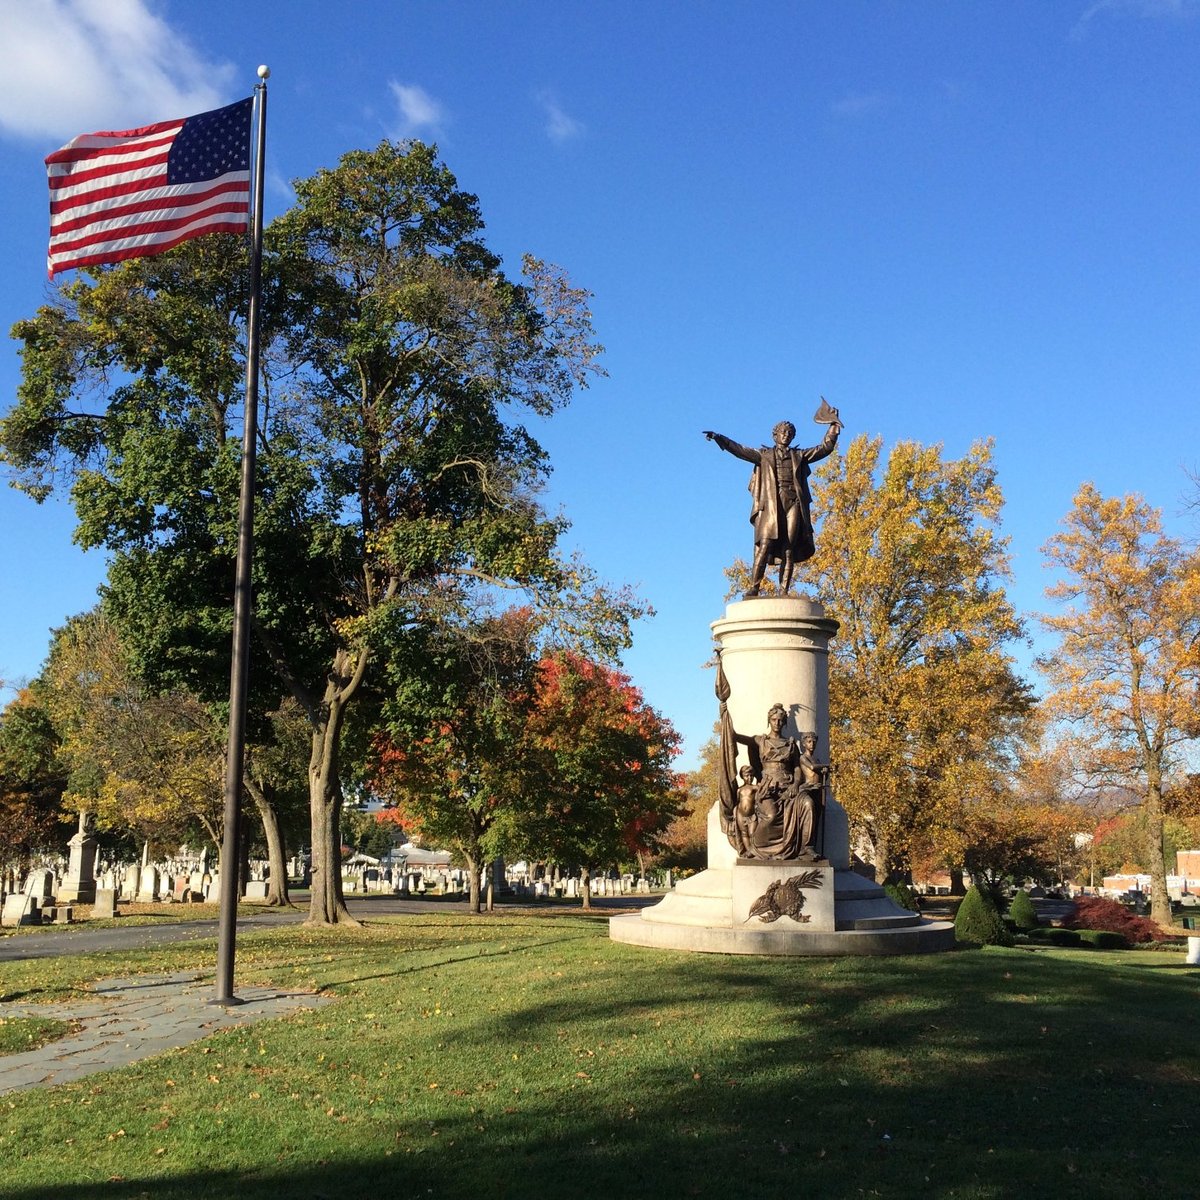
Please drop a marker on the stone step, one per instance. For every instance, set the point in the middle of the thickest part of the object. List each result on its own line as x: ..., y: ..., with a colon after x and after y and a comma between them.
x: 886, y: 922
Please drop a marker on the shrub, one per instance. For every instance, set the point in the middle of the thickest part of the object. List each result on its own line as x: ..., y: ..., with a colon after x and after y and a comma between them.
x: 1055, y: 937
x: 1022, y: 913
x: 1103, y: 939
x: 1095, y: 912
x: 978, y: 920
x: 903, y: 895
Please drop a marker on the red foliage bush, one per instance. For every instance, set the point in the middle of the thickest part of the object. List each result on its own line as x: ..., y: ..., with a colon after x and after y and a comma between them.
x: 1095, y: 912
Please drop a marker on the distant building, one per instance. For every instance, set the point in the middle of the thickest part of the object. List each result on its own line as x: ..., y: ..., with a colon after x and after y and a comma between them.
x: 1185, y: 881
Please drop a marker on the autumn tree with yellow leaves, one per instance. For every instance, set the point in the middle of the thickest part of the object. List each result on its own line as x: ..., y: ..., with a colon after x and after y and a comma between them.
x: 1125, y: 676
x: 925, y: 706
x: 144, y: 762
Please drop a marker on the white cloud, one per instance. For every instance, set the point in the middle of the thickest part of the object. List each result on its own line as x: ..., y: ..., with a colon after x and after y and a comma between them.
x: 419, y: 112
x: 279, y: 185
x: 74, y: 66
x: 560, y: 125
x: 1153, y: 10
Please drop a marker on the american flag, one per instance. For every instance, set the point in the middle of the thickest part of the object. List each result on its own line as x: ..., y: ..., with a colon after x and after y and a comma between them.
x: 141, y: 191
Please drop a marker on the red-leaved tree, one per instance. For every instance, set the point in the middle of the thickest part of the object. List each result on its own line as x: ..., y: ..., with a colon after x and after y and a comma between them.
x: 598, y: 760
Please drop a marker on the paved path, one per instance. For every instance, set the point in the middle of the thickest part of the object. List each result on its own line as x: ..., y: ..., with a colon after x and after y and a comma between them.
x: 132, y: 1019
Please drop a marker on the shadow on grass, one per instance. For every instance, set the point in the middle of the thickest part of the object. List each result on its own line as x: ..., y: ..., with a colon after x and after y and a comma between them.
x: 976, y: 1074
x: 451, y: 960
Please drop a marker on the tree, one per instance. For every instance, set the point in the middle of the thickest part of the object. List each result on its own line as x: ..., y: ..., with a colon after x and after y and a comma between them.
x: 684, y: 843
x: 275, y: 780
x: 925, y: 705
x: 1013, y: 840
x: 32, y: 780
x: 394, y: 470
x: 149, y: 763
x: 1125, y: 674
x: 451, y: 763
x: 598, y: 763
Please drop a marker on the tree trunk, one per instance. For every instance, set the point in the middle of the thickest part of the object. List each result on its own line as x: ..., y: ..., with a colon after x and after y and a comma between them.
x: 327, y: 905
x: 1160, y: 900
x: 585, y: 888
x: 473, y: 883
x: 883, y: 855
x: 958, y: 886
x: 277, y: 880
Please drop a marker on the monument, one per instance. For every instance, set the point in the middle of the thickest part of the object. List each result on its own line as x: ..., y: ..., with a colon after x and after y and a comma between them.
x: 779, y: 878
x: 79, y: 883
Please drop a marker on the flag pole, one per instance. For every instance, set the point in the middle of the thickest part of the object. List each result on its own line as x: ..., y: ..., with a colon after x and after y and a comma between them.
x: 230, y: 852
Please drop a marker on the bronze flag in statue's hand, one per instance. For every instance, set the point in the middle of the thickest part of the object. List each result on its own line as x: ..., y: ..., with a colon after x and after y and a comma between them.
x: 727, y: 781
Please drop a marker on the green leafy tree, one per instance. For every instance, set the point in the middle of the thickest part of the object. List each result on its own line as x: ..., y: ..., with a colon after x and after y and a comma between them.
x: 1125, y: 675
x: 275, y: 780
x: 925, y: 705
x: 364, y: 834
x: 451, y: 763
x: 395, y: 475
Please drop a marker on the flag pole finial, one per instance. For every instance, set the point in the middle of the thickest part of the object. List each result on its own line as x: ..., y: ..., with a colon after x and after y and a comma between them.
x: 264, y: 71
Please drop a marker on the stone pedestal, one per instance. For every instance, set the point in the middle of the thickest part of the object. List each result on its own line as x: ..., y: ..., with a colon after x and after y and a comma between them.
x: 789, y: 895
x: 776, y: 651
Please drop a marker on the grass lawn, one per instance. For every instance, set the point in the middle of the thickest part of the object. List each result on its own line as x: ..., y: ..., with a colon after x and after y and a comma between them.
x: 20, y: 1034
x: 530, y: 1056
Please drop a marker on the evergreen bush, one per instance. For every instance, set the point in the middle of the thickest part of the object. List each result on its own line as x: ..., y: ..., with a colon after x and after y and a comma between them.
x: 1103, y: 939
x: 903, y: 895
x: 1022, y: 913
x: 979, y: 922
x: 1056, y: 937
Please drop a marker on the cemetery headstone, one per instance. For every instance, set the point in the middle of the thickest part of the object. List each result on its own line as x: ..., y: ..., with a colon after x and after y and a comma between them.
x: 147, y: 891
x: 20, y: 909
x: 79, y: 884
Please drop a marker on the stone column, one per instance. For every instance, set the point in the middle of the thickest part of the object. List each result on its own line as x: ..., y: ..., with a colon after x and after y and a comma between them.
x: 79, y: 885
x: 776, y: 650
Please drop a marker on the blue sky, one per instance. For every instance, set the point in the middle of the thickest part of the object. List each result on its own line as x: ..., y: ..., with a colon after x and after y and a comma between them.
x: 955, y: 221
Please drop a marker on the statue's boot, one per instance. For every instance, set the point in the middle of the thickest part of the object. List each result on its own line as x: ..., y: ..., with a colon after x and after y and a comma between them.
x: 757, y: 572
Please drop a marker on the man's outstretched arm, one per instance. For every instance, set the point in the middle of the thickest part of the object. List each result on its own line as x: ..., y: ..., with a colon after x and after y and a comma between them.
x: 732, y: 447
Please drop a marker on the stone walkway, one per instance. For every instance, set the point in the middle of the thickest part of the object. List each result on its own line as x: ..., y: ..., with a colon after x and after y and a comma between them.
x: 134, y: 1019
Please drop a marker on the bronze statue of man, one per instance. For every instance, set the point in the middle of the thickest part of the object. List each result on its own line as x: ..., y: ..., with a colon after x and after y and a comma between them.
x: 781, y: 508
